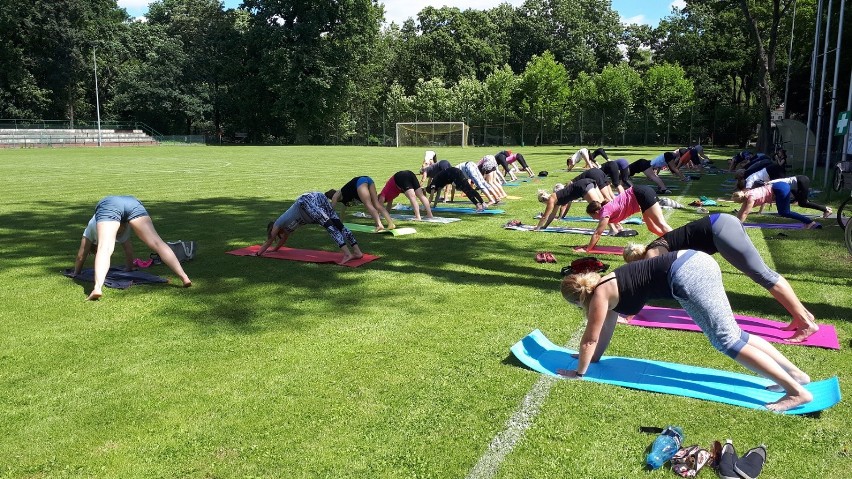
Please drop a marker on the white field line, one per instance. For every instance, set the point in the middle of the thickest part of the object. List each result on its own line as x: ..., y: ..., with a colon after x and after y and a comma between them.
x: 521, y: 420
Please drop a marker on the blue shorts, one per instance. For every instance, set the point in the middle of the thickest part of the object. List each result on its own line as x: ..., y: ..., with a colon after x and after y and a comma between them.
x: 364, y: 180
x: 119, y: 208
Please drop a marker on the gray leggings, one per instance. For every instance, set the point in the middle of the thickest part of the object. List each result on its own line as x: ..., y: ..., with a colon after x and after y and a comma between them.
x: 734, y: 245
x: 696, y: 283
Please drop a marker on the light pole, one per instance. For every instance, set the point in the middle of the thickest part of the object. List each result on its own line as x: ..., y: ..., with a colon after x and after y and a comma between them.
x: 97, y: 96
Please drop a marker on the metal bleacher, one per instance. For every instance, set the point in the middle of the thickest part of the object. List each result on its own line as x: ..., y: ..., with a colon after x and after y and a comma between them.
x: 55, y: 137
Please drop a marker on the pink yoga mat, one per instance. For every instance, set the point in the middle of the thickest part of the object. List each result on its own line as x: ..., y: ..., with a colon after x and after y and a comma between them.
x: 618, y: 250
x: 668, y: 318
x: 306, y: 255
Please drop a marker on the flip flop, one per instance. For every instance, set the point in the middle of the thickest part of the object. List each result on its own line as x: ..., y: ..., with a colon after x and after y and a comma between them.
x: 728, y: 461
x: 750, y: 465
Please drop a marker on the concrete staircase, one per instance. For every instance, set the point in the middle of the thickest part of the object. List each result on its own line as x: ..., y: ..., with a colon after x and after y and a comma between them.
x: 35, y: 137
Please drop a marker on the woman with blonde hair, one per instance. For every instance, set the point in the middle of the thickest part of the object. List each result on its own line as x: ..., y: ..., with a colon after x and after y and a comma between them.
x: 694, y: 280
x: 722, y: 233
x: 779, y: 192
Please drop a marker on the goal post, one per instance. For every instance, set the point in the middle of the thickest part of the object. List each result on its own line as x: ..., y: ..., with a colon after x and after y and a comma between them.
x: 432, y: 133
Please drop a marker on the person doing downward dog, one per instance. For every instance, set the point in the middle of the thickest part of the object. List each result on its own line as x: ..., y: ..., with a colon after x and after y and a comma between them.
x: 454, y: 176
x: 635, y: 199
x: 405, y: 182
x: 114, y: 216
x: 488, y: 167
x: 694, y: 280
x: 513, y: 157
x: 601, y: 179
x: 644, y: 166
x: 363, y: 189
x: 471, y: 171
x: 589, y: 159
x: 780, y: 193
x: 502, y: 159
x: 574, y: 190
x: 618, y: 172
x: 311, y: 208
x: 669, y: 159
x: 724, y: 234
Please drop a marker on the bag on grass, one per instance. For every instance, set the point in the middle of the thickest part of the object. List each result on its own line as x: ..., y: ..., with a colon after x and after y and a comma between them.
x: 184, y: 250
x: 589, y: 264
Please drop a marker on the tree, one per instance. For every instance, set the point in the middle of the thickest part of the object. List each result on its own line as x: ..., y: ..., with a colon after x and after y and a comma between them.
x: 544, y: 89
x: 667, y: 93
x: 618, y: 89
x: 432, y: 100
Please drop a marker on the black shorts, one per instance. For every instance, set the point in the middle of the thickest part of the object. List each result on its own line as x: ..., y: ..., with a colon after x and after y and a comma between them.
x: 611, y: 170
x: 639, y: 166
x: 645, y: 196
x: 406, y: 180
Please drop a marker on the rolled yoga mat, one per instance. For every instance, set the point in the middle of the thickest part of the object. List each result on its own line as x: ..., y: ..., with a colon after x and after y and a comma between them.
x: 671, y: 318
x: 541, y: 355
x: 306, y: 255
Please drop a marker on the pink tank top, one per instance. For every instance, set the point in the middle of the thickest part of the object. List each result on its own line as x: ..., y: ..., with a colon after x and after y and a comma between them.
x: 622, y: 207
x: 760, y: 195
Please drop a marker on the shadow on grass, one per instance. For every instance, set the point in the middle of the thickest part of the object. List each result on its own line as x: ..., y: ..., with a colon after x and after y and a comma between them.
x: 236, y: 291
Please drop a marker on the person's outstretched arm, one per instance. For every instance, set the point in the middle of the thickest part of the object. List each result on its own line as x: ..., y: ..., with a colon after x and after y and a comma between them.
x: 599, y: 328
x: 745, y: 209
x: 549, y: 213
x: 272, y: 235
x: 281, y: 240
x: 596, y: 236
x: 82, y: 254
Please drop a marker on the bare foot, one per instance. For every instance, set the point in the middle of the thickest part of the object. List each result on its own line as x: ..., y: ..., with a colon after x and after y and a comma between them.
x: 622, y: 320
x: 346, y: 258
x: 94, y: 295
x: 790, y: 401
x: 187, y: 283
x: 391, y: 226
x: 803, y: 333
x: 800, y: 377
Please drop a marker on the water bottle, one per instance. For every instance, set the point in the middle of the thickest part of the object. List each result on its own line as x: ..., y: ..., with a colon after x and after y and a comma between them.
x: 665, y: 446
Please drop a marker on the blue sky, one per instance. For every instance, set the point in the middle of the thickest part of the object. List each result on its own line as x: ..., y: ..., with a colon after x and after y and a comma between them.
x: 631, y: 11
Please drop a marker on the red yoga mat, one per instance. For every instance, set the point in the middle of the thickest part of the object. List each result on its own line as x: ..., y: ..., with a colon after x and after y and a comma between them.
x: 668, y: 318
x: 306, y: 255
x: 617, y: 250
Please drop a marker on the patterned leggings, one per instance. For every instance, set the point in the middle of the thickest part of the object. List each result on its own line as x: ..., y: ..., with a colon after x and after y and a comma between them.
x: 316, y: 206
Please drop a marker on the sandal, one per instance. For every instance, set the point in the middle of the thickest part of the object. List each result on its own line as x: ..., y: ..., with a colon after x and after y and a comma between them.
x: 828, y: 212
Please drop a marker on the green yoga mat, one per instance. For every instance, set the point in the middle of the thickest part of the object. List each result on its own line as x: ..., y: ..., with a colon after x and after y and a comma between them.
x: 541, y: 355
x: 372, y: 229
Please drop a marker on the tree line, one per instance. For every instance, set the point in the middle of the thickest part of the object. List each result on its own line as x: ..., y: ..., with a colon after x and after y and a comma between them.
x: 285, y: 71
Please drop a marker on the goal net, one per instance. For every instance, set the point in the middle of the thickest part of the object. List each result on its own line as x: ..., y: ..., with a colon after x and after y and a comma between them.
x: 449, y: 133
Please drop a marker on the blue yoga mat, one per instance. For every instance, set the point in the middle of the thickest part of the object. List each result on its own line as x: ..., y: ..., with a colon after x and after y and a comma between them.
x: 539, y: 354
x: 447, y: 209
x: 118, y: 278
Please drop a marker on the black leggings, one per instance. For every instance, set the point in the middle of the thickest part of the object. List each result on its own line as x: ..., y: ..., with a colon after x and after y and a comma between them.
x: 501, y: 160
x: 456, y: 177
x: 803, y: 188
x: 520, y: 159
x: 639, y: 166
x: 645, y: 196
x: 599, y: 152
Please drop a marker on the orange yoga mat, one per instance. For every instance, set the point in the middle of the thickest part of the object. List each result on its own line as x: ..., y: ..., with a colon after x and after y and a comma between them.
x: 306, y: 255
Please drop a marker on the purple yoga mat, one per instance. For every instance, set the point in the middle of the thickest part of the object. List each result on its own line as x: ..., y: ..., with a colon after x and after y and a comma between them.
x: 668, y: 318
x: 775, y: 226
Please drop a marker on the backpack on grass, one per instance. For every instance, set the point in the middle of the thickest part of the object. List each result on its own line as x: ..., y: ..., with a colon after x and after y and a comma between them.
x: 184, y: 250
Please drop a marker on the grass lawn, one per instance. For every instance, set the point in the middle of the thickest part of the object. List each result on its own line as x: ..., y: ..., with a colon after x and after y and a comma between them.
x: 399, y: 368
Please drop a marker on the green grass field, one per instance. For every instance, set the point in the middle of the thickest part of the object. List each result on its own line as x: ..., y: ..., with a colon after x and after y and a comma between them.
x: 400, y: 368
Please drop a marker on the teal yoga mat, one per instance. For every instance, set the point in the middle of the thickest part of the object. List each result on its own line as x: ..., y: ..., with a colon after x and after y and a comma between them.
x: 633, y: 220
x: 540, y: 354
x: 372, y: 229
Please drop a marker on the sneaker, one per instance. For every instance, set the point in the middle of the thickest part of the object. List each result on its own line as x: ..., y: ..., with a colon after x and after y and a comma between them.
x: 728, y: 461
x: 750, y: 465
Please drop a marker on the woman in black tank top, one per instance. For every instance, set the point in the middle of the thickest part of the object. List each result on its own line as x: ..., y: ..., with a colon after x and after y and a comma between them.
x: 693, y: 279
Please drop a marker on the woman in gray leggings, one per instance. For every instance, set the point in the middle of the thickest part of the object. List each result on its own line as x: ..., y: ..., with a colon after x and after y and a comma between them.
x: 723, y: 233
x: 695, y: 281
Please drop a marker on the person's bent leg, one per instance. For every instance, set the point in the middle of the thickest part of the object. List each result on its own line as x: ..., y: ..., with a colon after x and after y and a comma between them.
x: 107, y: 231
x: 144, y: 229
x: 374, y: 197
x: 657, y: 223
x: 696, y: 283
x: 425, y: 201
x: 412, y: 198
x: 655, y: 178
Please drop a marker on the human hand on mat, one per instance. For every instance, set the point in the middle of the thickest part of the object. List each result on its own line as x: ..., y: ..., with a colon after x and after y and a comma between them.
x: 568, y: 374
x: 580, y: 249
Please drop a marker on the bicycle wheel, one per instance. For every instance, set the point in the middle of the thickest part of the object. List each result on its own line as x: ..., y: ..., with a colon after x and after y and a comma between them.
x: 844, y: 212
x: 847, y: 235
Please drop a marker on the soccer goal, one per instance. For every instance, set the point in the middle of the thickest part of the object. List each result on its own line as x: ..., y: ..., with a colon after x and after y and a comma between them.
x: 447, y: 133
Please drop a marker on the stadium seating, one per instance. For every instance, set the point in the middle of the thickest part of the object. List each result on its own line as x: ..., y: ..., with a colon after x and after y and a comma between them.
x: 19, y: 138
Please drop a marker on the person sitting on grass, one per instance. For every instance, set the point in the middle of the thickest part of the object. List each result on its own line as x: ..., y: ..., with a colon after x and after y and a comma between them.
x: 694, y: 280
x: 635, y: 199
x: 781, y: 193
x: 311, y: 208
x: 405, y: 182
x: 114, y: 216
x: 363, y: 189
x: 455, y: 176
x: 563, y: 197
x: 724, y: 234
